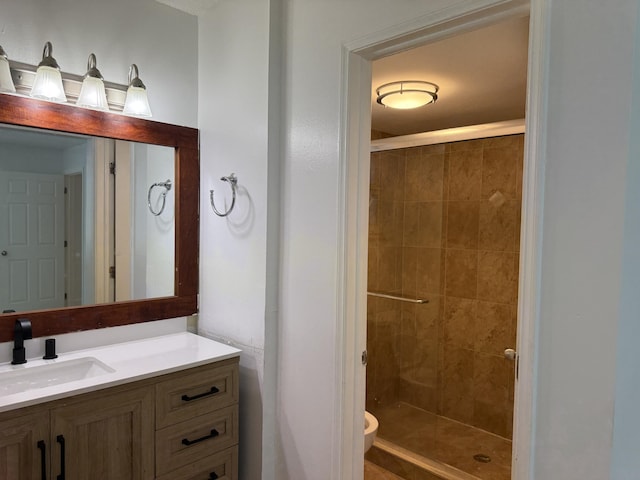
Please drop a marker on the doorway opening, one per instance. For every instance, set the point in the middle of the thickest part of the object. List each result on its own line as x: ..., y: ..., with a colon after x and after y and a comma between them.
x: 444, y: 225
x: 523, y: 275
x: 73, y: 250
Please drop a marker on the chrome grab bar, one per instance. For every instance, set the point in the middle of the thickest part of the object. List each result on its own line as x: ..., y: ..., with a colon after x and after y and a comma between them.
x: 394, y: 297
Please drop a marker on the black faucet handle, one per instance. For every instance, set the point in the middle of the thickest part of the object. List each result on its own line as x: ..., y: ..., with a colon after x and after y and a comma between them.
x: 23, y: 328
x: 50, y: 349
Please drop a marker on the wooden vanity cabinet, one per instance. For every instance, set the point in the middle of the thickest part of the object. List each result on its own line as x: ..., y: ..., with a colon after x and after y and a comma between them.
x: 180, y: 426
x: 22, y: 440
x: 197, y: 424
x: 108, y: 436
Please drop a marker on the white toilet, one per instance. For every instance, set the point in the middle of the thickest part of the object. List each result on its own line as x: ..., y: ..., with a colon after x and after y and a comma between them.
x: 370, y: 430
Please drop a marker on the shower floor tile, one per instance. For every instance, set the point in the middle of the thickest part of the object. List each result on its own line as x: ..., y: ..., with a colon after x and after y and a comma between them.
x: 445, y: 440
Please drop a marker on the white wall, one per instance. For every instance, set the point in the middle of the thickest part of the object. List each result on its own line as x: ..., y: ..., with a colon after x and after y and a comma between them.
x: 24, y: 158
x: 75, y: 159
x: 140, y: 212
x: 583, y: 231
x: 234, y: 251
x: 153, y: 265
x: 161, y: 228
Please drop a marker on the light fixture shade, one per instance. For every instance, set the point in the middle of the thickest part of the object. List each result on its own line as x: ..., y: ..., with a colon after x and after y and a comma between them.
x: 6, y: 82
x: 407, y: 94
x: 48, y: 82
x: 136, y: 102
x: 92, y: 93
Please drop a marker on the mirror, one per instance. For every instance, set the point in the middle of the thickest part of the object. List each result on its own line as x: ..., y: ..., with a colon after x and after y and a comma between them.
x: 84, y: 220
x: 141, y: 222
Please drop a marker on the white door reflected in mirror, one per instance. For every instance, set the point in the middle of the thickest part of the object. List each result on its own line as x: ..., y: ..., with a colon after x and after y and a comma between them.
x: 31, y: 218
x: 74, y: 215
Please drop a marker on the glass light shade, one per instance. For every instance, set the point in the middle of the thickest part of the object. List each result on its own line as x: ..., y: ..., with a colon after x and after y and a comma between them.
x: 92, y: 94
x: 6, y: 82
x: 405, y: 95
x: 407, y: 100
x: 137, y: 102
x: 48, y: 85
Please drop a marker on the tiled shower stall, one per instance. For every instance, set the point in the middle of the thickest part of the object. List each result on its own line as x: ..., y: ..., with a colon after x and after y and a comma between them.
x: 444, y: 227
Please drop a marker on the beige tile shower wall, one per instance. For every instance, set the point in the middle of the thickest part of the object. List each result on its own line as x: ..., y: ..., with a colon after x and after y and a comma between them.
x: 454, y: 239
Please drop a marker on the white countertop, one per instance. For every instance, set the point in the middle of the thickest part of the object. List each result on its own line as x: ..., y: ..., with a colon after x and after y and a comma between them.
x: 130, y: 361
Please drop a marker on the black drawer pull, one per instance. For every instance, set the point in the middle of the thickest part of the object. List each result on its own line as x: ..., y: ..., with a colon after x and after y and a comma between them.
x: 43, y: 459
x: 213, y: 391
x: 214, y: 433
x: 60, y: 440
x: 213, y: 476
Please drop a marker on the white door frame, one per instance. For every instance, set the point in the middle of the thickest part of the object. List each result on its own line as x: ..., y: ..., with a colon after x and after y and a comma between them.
x: 354, y: 198
x: 104, y: 220
x: 123, y: 221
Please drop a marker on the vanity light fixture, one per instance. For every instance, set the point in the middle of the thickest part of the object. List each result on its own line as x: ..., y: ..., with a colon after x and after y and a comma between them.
x: 92, y: 92
x: 6, y: 82
x: 136, y: 102
x: 48, y: 82
x: 407, y: 94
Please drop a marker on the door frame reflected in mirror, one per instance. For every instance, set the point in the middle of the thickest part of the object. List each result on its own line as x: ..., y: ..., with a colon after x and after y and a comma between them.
x: 28, y: 112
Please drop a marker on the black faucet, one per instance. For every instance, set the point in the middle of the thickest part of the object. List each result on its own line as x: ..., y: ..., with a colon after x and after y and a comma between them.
x: 21, y: 332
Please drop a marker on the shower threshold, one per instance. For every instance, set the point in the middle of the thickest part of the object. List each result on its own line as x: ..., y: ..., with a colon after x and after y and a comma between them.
x: 445, y: 448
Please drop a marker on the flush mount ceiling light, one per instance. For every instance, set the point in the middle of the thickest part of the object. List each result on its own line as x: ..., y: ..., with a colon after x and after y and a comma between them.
x: 407, y: 94
x: 6, y: 83
x: 92, y: 93
x: 137, y: 102
x: 48, y: 82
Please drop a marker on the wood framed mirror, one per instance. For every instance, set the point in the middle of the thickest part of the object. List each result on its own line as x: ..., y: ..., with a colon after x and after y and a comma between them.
x: 36, y: 114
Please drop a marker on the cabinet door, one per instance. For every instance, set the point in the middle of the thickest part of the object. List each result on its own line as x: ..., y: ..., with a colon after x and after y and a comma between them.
x: 107, y: 437
x: 23, y: 447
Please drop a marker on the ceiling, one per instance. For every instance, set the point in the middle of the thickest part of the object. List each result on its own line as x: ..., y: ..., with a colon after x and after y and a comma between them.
x: 482, y: 77
x: 39, y: 138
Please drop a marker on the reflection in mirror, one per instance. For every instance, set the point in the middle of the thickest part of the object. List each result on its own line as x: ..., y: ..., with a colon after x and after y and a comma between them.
x: 72, y: 232
x: 153, y: 235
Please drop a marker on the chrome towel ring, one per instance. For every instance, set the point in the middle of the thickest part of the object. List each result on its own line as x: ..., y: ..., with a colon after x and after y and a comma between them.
x: 233, y: 181
x: 167, y: 186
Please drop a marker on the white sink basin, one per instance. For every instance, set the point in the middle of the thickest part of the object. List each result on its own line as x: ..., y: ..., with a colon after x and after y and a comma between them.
x: 18, y: 379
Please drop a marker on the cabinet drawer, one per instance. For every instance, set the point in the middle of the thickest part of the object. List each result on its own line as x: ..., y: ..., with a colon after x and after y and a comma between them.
x: 221, y: 466
x: 189, y: 395
x: 187, y: 442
